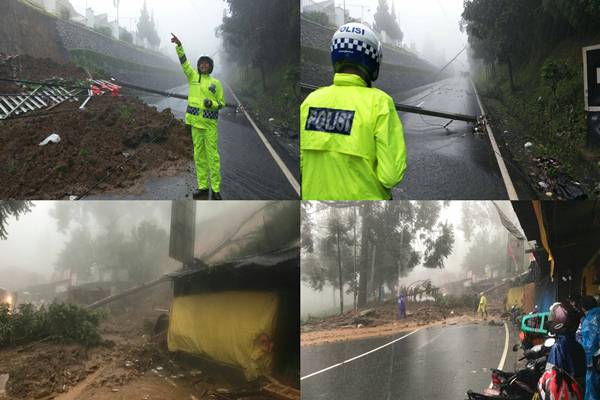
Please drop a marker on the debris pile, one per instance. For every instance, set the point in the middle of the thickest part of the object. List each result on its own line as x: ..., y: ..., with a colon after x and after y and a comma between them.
x: 420, y: 313
x: 115, y: 142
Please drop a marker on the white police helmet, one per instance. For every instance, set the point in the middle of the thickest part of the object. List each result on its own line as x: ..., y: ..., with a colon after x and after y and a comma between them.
x: 357, y: 45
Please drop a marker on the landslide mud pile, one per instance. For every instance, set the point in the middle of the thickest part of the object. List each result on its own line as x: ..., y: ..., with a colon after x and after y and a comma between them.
x: 113, y: 143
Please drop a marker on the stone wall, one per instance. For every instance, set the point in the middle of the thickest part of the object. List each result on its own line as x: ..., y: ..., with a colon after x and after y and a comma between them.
x: 319, y: 37
x: 75, y: 36
x: 25, y: 29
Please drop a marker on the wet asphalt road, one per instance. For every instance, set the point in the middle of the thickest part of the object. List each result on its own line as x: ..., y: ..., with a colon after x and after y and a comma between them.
x: 434, y: 363
x: 447, y: 163
x: 248, y: 172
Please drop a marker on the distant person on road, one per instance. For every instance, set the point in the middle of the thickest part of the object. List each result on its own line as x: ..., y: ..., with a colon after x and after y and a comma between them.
x: 401, y: 307
x: 205, y: 99
x: 590, y: 340
x: 351, y: 138
x: 482, y: 308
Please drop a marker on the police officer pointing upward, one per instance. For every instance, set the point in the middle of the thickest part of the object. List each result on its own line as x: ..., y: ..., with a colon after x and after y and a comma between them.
x: 205, y: 99
x: 351, y: 141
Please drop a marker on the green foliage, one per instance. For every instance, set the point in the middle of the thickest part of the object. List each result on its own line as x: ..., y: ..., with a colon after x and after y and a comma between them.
x: 12, y: 208
x: 386, y: 21
x: 124, y: 112
x: 546, y: 110
x: 261, y: 34
x: 449, y: 302
x: 439, y: 248
x: 58, y: 321
x: 64, y: 13
x: 580, y: 16
x: 488, y: 248
x: 126, y: 36
x: 318, y: 17
x: 105, y: 30
x: 135, y: 256
x: 555, y: 72
x: 146, y: 27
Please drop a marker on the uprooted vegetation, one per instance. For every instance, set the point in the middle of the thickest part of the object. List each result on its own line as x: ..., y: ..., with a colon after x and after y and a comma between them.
x: 58, y: 322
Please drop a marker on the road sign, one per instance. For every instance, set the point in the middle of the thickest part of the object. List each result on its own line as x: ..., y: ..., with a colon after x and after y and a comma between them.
x: 591, y: 77
x: 591, y: 82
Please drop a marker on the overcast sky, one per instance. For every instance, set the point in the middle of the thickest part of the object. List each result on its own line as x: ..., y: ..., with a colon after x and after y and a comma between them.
x: 193, y: 21
x: 34, y: 241
x: 433, y: 25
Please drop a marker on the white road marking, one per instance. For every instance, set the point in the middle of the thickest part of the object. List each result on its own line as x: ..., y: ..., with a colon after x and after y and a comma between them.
x: 359, y: 356
x: 505, y: 352
x: 510, y: 188
x: 290, y: 177
x: 420, y: 104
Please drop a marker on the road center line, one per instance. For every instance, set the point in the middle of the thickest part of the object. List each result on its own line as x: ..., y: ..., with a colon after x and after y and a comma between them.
x: 510, y: 188
x: 284, y: 169
x: 505, y: 352
x: 359, y: 356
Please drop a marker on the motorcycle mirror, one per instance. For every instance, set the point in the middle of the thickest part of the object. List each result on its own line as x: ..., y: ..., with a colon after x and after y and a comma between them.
x: 516, y: 347
x: 549, y: 342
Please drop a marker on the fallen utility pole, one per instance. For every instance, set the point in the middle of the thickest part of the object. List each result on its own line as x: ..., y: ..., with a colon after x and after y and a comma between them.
x: 128, y: 292
x: 159, y: 92
x: 414, y: 109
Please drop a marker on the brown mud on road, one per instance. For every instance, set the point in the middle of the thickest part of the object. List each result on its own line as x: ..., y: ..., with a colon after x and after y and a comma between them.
x: 114, y: 143
x: 381, y: 320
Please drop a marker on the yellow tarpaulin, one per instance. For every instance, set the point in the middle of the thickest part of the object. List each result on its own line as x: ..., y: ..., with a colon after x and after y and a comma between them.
x: 233, y: 328
x: 514, y: 297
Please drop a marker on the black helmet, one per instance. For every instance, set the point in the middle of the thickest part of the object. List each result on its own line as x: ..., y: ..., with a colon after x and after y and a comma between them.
x: 210, y: 61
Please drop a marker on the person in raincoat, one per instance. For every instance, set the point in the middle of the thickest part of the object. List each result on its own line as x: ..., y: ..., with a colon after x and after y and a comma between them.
x: 401, y: 307
x: 567, y: 354
x: 590, y: 340
x: 351, y: 138
x: 205, y: 99
x: 482, y: 308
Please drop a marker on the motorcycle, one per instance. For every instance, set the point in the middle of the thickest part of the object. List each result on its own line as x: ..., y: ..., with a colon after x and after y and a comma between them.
x: 519, y: 385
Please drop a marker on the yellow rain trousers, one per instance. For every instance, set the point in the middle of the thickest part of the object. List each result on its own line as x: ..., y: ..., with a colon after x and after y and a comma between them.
x: 204, y: 121
x: 351, y: 142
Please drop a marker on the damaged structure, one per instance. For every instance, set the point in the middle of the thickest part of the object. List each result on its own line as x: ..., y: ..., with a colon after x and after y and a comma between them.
x: 567, y: 252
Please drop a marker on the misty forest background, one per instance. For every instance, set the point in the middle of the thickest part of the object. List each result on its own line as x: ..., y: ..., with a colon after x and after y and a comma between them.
x: 261, y: 38
x: 364, y: 248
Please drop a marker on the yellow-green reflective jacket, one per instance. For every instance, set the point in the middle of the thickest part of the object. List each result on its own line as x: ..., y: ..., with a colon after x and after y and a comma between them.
x: 351, y: 142
x: 202, y: 86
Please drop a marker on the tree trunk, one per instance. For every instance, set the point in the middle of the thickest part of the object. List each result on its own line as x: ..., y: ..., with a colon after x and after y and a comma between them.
x: 339, y: 259
x: 372, y: 280
x: 510, y: 74
x: 400, y: 264
x: 364, y: 259
x: 262, y: 75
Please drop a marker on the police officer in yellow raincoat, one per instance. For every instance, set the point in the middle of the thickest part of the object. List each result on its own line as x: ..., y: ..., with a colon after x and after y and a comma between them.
x: 351, y: 138
x: 482, y: 308
x: 205, y: 99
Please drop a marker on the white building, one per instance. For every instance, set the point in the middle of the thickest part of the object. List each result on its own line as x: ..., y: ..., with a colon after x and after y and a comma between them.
x: 334, y: 13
